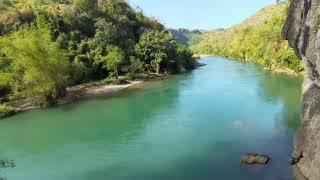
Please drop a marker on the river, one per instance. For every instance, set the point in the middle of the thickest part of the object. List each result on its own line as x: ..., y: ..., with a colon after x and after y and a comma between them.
x: 193, y: 126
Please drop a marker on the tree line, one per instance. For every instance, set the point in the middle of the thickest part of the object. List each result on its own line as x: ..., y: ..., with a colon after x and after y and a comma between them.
x: 47, y: 45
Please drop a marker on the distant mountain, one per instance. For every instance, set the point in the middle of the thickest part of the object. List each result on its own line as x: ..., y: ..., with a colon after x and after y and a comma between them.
x: 186, y: 36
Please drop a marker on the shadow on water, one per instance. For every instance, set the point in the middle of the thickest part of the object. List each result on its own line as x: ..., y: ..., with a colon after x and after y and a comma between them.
x: 283, y: 88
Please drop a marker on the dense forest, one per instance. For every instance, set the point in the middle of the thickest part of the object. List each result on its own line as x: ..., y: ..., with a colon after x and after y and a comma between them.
x: 187, y: 37
x: 47, y: 45
x: 257, y: 40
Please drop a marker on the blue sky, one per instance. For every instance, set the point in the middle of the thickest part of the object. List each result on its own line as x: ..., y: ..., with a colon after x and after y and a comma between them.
x: 200, y: 14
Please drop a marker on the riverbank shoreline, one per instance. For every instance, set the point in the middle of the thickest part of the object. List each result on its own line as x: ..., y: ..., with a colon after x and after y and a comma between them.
x: 91, y: 90
x: 87, y: 91
x: 78, y: 93
x: 285, y: 71
x: 84, y: 92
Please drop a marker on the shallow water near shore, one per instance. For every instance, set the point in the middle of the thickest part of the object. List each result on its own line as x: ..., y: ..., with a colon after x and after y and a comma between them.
x: 193, y: 126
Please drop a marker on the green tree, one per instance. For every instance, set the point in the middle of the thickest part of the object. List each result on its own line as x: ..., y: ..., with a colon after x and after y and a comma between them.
x: 86, y: 5
x: 136, y: 66
x: 6, y: 81
x: 153, y: 48
x: 40, y: 62
x: 113, y: 60
x: 185, y: 58
x: 159, y: 57
x: 65, y: 42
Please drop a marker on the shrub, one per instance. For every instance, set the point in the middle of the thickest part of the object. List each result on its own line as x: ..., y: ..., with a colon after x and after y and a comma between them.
x: 6, y: 110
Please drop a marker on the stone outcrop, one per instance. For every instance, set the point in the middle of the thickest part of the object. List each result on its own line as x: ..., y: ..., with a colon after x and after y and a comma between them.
x: 302, y: 32
x: 252, y: 158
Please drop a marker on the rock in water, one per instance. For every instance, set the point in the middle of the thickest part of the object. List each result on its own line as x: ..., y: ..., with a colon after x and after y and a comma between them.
x: 252, y: 158
x: 239, y: 125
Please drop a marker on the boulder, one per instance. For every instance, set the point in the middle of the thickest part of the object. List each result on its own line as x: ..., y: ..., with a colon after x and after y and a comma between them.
x: 252, y: 158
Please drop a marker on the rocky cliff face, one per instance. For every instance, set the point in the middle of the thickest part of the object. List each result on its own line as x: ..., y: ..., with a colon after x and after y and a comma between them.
x: 302, y: 30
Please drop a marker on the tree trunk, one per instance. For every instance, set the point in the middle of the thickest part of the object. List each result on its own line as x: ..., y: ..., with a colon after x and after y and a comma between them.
x: 158, y: 68
x: 116, y: 72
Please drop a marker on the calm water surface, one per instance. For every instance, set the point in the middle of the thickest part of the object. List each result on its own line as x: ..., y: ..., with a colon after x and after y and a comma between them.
x: 188, y: 127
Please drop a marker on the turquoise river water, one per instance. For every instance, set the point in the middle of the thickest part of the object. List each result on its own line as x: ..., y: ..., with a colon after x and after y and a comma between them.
x: 193, y: 126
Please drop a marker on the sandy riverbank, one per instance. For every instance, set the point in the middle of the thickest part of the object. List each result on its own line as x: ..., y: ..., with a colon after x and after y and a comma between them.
x: 80, y: 92
x: 89, y: 90
x: 85, y: 91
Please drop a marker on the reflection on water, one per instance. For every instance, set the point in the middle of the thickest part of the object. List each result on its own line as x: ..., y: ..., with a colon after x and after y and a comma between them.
x: 286, y: 92
x: 191, y: 126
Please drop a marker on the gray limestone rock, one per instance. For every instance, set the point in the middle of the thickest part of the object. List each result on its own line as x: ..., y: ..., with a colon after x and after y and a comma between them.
x: 302, y: 31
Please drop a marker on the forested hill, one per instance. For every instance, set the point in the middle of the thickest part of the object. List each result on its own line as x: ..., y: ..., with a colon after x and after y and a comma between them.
x: 186, y: 36
x: 47, y: 45
x: 257, y: 39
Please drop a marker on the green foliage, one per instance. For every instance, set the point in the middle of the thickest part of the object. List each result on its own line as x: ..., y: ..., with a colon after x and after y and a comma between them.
x: 187, y: 37
x: 5, y: 111
x: 68, y: 42
x: 162, y: 53
x: 136, y: 66
x: 152, y: 43
x: 257, y: 40
x: 185, y: 57
x: 6, y: 164
x: 6, y: 81
x: 40, y: 67
x: 112, y: 60
x: 5, y: 4
x: 86, y: 5
x: 159, y: 57
x: 12, y: 19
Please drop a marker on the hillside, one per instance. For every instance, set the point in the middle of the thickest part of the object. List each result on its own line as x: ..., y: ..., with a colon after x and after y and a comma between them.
x: 257, y: 39
x: 47, y: 45
x: 187, y: 37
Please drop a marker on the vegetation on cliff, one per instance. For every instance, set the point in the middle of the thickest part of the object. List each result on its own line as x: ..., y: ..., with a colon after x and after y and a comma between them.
x: 47, y: 45
x: 257, y: 40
